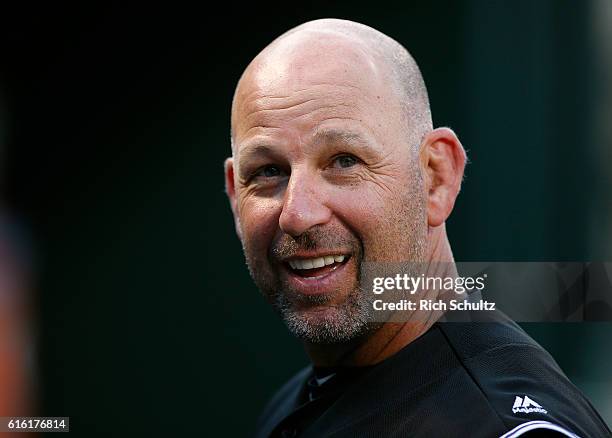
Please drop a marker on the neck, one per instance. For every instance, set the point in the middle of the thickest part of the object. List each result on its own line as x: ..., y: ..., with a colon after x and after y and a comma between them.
x: 390, y: 337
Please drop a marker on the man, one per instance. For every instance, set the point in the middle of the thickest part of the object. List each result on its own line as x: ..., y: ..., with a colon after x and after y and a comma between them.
x: 335, y: 165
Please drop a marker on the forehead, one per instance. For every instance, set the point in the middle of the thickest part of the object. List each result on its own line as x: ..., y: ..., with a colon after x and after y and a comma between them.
x: 310, y: 79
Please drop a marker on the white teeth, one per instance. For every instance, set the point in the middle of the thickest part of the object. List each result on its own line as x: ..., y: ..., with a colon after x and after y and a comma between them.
x: 317, y: 262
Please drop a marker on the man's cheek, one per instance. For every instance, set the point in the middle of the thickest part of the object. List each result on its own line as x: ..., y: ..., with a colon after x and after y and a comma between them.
x: 259, y: 219
x: 362, y: 218
x: 374, y: 227
x: 258, y: 231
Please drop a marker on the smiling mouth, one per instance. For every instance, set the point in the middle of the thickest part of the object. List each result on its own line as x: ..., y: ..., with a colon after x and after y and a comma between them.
x: 316, y: 266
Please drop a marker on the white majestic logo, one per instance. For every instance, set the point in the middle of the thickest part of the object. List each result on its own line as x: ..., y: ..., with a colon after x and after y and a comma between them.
x: 526, y: 405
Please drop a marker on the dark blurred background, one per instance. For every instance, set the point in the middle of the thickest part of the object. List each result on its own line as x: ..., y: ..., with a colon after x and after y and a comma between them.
x: 114, y: 124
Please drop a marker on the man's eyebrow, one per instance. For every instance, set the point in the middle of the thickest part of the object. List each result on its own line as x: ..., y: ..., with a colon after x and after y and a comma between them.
x: 338, y: 136
x: 248, y: 151
x: 330, y: 136
x: 253, y: 151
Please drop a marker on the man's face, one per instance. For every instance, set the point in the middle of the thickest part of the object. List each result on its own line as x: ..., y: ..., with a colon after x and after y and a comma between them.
x: 323, y: 179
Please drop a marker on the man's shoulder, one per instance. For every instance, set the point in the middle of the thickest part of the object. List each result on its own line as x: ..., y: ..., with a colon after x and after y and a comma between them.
x: 477, y: 378
x: 488, y: 330
x: 519, y: 379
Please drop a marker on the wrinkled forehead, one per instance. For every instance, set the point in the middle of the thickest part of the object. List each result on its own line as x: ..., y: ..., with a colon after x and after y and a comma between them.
x: 339, y: 70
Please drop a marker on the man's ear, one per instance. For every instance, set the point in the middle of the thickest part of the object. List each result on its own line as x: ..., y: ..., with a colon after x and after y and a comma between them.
x: 230, y: 189
x: 443, y: 159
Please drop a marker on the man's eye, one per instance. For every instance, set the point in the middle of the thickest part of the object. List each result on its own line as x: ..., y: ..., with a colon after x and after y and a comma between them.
x: 269, y: 171
x: 345, y: 161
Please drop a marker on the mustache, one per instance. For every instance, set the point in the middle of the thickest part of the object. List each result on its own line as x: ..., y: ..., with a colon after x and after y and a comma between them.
x: 317, y: 238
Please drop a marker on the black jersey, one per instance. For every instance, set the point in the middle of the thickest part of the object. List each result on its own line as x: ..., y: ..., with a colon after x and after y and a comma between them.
x: 459, y: 379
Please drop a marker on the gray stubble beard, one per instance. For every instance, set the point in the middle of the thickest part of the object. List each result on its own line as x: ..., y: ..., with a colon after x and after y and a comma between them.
x: 332, y: 325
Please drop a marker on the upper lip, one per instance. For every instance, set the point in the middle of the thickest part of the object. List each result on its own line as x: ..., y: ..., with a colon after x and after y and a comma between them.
x: 314, y: 255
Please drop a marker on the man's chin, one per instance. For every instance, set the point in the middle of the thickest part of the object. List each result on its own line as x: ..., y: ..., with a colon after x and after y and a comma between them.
x: 326, y: 324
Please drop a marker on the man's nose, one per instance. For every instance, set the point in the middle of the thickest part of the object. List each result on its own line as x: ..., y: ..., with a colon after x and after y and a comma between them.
x: 303, y: 205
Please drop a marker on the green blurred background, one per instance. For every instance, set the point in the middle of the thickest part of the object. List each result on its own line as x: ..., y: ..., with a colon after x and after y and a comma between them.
x: 116, y: 128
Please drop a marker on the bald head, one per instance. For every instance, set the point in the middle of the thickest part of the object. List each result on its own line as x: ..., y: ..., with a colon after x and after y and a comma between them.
x: 329, y: 48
